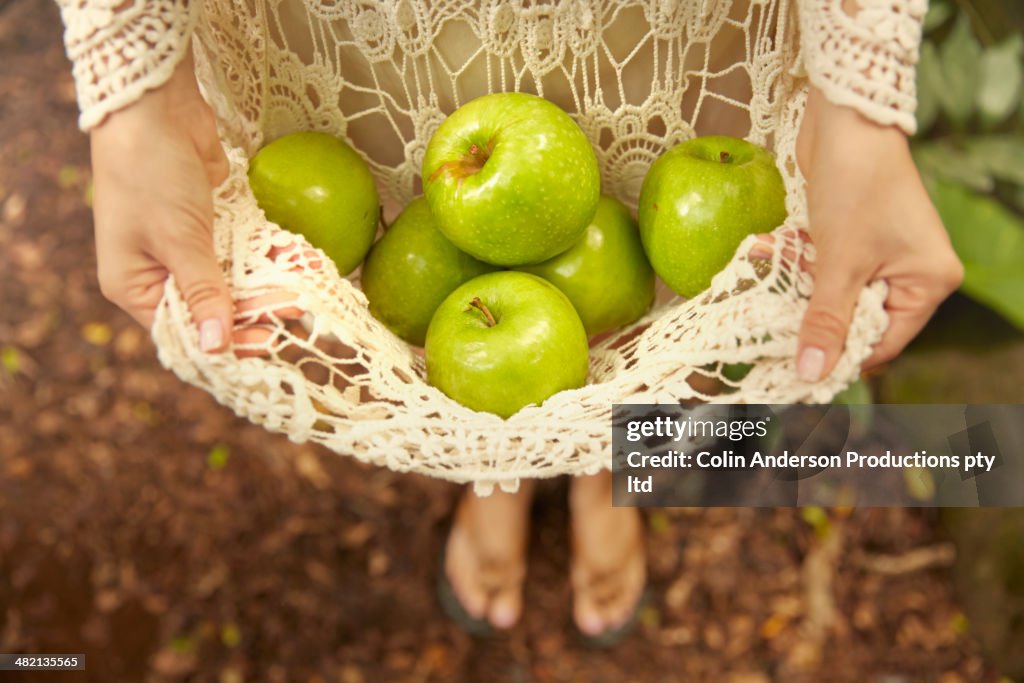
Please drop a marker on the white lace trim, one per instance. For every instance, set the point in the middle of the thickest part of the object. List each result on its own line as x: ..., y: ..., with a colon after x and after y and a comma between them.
x: 867, y: 60
x: 121, y: 48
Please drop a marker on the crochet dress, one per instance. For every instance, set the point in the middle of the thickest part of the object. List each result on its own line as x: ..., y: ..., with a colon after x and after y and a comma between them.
x: 638, y: 76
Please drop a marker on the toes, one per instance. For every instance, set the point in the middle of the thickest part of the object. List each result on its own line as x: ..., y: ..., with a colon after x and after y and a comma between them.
x: 505, y: 608
x: 609, y: 569
x: 587, y: 614
x: 623, y: 604
x: 605, y: 601
x: 486, y: 556
x: 502, y: 583
x: 487, y: 587
x: 470, y: 593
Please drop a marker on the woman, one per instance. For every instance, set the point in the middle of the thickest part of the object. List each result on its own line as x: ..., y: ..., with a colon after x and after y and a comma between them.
x: 156, y: 156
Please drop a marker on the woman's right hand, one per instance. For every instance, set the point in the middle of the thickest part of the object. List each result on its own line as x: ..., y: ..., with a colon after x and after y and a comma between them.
x: 155, y: 164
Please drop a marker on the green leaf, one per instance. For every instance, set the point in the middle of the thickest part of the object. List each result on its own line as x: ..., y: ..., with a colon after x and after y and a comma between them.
x: 959, y: 623
x: 217, y: 458
x: 919, y: 482
x: 1000, y: 80
x: 10, y: 360
x: 989, y: 239
x: 938, y: 13
x: 961, y: 55
x: 1001, y: 155
x: 182, y: 645
x: 1000, y: 287
x: 929, y: 85
x: 943, y: 161
x: 658, y: 522
x: 230, y: 635
x: 735, y: 372
x: 818, y: 519
x: 855, y: 394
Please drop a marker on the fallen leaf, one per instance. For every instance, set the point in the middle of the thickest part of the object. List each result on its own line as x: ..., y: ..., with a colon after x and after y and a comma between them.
x: 350, y: 674
x: 14, y: 209
x: 773, y: 626
x: 357, y: 534
x: 97, y: 334
x: 230, y: 635
x: 378, y: 563
x: 217, y: 458
x: 308, y: 466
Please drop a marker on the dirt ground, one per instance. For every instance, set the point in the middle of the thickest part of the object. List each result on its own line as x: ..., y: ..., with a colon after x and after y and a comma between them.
x: 150, y: 529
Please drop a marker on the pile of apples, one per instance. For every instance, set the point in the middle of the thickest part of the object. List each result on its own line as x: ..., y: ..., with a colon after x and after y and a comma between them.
x: 513, y: 260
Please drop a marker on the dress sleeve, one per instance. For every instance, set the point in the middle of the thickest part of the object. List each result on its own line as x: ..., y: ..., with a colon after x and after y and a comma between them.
x: 121, y: 48
x: 865, y: 59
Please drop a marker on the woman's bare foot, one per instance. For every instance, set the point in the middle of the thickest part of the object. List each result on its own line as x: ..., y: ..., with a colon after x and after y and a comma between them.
x: 486, y: 554
x: 609, y: 564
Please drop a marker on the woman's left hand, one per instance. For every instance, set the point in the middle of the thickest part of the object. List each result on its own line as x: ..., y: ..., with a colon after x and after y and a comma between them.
x: 870, y: 219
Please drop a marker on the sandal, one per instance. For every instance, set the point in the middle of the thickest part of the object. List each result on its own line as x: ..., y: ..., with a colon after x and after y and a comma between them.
x: 452, y: 606
x: 613, y: 637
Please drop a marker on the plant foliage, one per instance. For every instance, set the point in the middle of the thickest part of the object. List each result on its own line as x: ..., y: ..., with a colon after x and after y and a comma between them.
x: 970, y: 148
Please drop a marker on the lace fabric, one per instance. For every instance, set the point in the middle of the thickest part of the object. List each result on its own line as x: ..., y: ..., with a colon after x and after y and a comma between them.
x: 865, y: 60
x: 638, y: 77
x: 121, y: 48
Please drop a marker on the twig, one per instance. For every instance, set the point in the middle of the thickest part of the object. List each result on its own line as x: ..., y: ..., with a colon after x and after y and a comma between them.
x: 918, y: 559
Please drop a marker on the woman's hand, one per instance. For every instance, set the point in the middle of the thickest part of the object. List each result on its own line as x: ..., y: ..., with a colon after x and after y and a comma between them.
x: 155, y: 163
x: 870, y: 218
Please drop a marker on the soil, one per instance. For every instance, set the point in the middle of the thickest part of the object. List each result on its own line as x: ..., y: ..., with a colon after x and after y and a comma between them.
x: 147, y: 527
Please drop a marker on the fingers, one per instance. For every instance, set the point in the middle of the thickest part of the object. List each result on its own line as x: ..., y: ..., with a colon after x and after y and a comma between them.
x: 280, y: 304
x: 257, y: 334
x: 838, y: 281
x: 134, y: 284
x: 916, y: 287
x: 190, y: 258
x: 788, y: 241
x: 300, y: 258
x: 903, y: 327
x: 911, y: 302
x: 254, y: 341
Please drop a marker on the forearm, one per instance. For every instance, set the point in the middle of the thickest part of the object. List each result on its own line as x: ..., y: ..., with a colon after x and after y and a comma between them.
x: 838, y: 135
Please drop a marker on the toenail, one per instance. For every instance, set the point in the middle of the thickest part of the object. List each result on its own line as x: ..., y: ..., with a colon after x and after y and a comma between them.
x: 591, y: 624
x: 503, y: 616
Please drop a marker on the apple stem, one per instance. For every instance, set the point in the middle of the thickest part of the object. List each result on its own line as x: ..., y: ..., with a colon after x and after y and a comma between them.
x: 474, y: 160
x: 482, y: 307
x: 724, y: 157
x: 477, y: 157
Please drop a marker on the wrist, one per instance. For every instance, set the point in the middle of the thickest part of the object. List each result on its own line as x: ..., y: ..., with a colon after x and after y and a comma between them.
x: 831, y: 132
x: 179, y: 92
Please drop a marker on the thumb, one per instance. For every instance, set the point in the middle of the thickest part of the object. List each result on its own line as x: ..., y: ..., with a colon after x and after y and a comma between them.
x: 192, y: 261
x: 837, y: 285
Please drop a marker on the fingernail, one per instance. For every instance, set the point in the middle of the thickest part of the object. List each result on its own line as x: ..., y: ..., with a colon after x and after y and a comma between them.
x: 810, y: 364
x: 591, y: 624
x: 211, y: 335
x: 503, y: 616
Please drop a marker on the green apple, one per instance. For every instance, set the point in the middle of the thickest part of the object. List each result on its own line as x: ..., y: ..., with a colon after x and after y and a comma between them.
x: 410, y: 271
x: 316, y: 185
x: 605, y: 274
x: 699, y: 200
x: 506, y: 340
x: 511, y: 179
